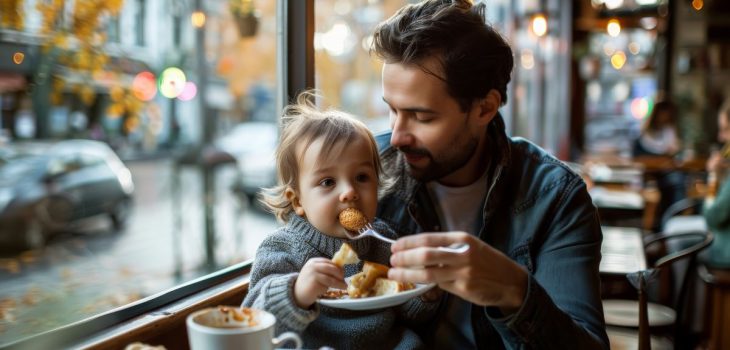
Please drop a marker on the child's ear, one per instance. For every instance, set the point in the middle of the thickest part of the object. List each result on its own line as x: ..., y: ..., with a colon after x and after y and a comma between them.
x: 293, y: 198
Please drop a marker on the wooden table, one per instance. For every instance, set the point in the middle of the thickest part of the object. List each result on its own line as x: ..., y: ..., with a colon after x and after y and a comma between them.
x: 622, y: 250
x: 718, y: 305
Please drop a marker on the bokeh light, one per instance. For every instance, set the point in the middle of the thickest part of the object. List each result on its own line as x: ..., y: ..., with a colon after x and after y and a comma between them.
x: 339, y: 40
x: 613, y: 27
x: 640, y: 107
x: 144, y: 86
x: 618, y: 59
x: 171, y: 82
x: 18, y: 57
x: 189, y: 92
x: 698, y: 4
x: 527, y: 59
x: 634, y: 48
x: 197, y: 18
x: 539, y: 25
x: 609, y: 49
x: 613, y: 4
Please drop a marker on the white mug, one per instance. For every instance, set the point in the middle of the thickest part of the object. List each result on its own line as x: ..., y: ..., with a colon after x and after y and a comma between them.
x: 260, y: 335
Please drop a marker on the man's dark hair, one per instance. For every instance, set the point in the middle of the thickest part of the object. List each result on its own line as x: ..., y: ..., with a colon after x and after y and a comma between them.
x: 474, y: 56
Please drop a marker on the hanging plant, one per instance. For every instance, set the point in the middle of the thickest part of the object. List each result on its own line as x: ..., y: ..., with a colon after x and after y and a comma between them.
x: 246, y: 17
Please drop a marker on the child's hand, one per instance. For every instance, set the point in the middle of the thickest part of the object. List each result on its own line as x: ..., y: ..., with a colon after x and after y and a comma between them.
x: 317, y: 275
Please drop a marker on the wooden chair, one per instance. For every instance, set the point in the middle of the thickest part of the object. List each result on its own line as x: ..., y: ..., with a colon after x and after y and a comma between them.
x: 640, y: 310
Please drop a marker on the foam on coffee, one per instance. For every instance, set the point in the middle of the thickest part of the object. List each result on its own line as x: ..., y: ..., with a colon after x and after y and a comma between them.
x: 229, y: 317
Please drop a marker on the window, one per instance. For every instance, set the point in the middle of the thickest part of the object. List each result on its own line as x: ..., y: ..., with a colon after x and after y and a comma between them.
x: 345, y: 73
x: 139, y: 23
x: 176, y: 30
x: 113, y: 29
x: 95, y: 265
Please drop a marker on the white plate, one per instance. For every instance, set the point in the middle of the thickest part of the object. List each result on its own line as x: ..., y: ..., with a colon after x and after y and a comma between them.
x: 380, y: 302
x: 626, y: 313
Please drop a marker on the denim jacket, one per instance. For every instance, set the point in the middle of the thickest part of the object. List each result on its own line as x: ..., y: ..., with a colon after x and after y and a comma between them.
x: 537, y: 212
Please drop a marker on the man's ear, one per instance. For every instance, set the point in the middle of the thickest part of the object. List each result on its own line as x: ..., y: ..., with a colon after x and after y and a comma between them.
x: 293, y: 198
x: 488, y: 106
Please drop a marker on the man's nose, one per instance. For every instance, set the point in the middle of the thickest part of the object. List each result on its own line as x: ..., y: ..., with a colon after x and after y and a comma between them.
x: 349, y: 193
x: 400, y: 135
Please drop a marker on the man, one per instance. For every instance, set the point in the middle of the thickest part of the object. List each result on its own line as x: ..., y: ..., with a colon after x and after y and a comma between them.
x: 530, y: 278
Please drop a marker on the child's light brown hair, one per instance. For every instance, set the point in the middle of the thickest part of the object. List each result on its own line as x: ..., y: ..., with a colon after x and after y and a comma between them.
x: 302, y: 123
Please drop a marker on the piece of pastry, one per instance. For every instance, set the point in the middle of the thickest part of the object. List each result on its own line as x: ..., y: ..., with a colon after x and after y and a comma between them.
x: 384, y: 286
x: 345, y: 256
x: 362, y: 283
x: 352, y: 219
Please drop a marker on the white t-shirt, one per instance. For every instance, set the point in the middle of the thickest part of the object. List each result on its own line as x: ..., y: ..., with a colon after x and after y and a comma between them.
x: 662, y: 141
x: 460, y: 209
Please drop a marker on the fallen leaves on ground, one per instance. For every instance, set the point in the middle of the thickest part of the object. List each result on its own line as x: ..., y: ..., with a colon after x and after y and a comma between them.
x: 7, y: 306
x: 111, y: 301
x: 10, y: 265
x: 32, y: 296
x: 29, y: 256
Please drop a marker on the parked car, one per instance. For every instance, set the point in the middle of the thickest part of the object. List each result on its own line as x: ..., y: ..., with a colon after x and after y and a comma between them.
x: 46, y: 187
x: 253, y: 145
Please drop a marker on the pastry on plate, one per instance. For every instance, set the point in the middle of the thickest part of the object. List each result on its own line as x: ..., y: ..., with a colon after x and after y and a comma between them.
x: 352, y: 219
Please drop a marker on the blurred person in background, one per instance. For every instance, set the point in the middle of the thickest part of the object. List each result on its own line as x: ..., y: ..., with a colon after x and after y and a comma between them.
x: 659, y: 135
x: 659, y: 138
x: 717, y: 206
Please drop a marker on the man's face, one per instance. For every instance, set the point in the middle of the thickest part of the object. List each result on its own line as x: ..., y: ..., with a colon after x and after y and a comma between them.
x: 328, y: 185
x: 436, y: 137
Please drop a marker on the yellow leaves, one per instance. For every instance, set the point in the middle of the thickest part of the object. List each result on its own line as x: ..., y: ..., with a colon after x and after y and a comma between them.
x: 98, y: 38
x: 87, y: 95
x: 80, y: 39
x: 116, y: 93
x: 29, y: 256
x: 125, y: 104
x: 111, y: 301
x: 83, y: 60
x: 115, y: 110
x: 114, y: 6
x: 48, y: 12
x: 57, y: 84
x: 56, y: 98
x: 10, y: 265
x: 32, y: 296
x: 11, y: 14
x: 131, y: 124
x: 7, y: 306
x: 60, y: 40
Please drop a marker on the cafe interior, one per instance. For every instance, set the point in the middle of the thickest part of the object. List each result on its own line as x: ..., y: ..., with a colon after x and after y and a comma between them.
x: 589, y: 76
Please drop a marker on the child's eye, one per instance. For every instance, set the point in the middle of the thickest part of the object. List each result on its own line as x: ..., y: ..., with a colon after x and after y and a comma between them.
x: 327, y: 183
x: 362, y: 177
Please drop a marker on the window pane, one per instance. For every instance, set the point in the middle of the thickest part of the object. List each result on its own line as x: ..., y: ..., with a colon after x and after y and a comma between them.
x: 76, y: 244
x: 347, y: 76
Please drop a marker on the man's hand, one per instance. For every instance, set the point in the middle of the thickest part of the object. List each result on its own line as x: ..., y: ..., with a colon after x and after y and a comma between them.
x: 316, y: 276
x: 482, y: 275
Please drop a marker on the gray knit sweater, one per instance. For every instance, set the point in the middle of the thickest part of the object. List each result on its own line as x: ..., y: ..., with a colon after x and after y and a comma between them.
x: 278, y: 261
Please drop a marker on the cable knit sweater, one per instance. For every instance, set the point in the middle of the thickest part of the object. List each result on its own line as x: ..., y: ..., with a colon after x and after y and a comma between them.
x: 278, y: 261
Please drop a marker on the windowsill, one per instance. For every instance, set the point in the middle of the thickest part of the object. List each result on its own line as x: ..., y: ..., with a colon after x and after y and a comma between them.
x: 156, y: 320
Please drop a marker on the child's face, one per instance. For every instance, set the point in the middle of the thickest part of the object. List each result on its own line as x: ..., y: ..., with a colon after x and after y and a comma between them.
x: 327, y: 186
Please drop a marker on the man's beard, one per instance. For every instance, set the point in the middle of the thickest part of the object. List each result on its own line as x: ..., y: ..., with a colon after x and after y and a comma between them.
x: 455, y: 156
